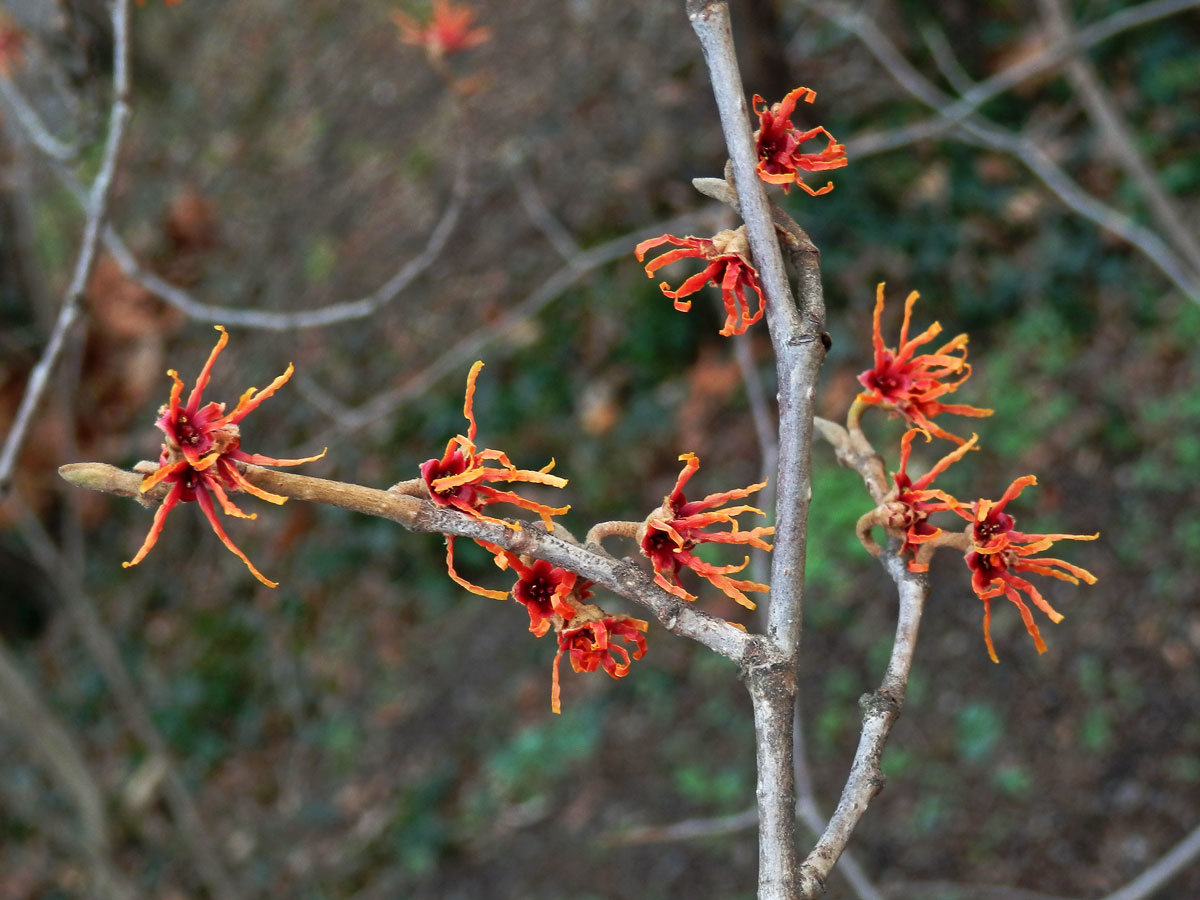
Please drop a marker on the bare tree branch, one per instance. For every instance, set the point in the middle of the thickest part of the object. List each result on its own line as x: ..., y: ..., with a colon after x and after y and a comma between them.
x: 799, y: 352
x: 333, y: 314
x: 622, y: 577
x: 1175, y: 861
x: 1117, y: 138
x: 1047, y: 59
x: 104, y: 651
x: 97, y: 208
x: 52, y: 748
x: 468, y: 348
x: 979, y: 131
x: 880, y: 709
x: 178, y: 298
x: 37, y: 132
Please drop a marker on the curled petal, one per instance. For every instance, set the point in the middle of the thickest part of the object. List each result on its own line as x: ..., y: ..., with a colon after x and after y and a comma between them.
x: 206, y: 505
x: 160, y: 519
x: 462, y: 582
x: 193, y: 402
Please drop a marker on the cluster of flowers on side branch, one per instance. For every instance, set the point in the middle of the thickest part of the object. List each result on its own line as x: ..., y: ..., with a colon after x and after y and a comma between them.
x: 910, y: 385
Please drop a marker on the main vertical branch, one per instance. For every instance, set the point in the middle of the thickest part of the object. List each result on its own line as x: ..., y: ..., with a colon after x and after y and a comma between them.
x: 795, y: 334
x: 799, y: 352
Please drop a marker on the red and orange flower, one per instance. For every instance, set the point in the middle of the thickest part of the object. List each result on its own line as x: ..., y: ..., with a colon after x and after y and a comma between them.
x: 906, y: 509
x: 544, y: 590
x: 448, y: 31
x: 727, y: 257
x: 200, y: 455
x: 590, y: 642
x: 998, y: 552
x: 462, y: 480
x: 911, y: 384
x: 675, y: 529
x: 780, y: 157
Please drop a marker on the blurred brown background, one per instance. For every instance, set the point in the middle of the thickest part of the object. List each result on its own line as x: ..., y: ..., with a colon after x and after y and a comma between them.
x: 369, y: 730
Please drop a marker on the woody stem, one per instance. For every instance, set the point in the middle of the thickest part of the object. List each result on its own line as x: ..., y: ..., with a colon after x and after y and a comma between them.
x: 420, y: 515
x: 602, y: 530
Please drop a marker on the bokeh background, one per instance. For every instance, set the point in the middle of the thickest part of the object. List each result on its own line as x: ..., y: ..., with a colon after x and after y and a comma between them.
x: 368, y: 729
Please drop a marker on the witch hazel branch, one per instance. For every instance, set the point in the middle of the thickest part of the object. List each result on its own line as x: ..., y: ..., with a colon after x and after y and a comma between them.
x: 554, y: 579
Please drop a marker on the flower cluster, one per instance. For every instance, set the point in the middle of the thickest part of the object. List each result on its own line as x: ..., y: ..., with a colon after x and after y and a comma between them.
x: 587, y: 635
x: 462, y: 479
x: 554, y: 598
x: 780, y: 158
x: 201, y: 452
x: 910, y: 384
x: 448, y: 31
x: 672, y: 532
x: 727, y: 265
x: 727, y: 254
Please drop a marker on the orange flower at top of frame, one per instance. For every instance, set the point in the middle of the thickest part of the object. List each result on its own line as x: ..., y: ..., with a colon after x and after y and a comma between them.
x: 727, y: 255
x: 672, y: 532
x: 780, y: 159
x: 911, y: 385
x: 449, y: 30
x: 12, y: 45
x: 199, y: 456
x: 999, y: 551
x: 462, y: 479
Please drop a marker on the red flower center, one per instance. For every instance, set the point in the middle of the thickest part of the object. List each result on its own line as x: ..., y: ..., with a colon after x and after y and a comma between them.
x: 434, y: 469
x: 890, y: 380
x: 994, y: 524
x: 186, y: 432
x: 538, y: 589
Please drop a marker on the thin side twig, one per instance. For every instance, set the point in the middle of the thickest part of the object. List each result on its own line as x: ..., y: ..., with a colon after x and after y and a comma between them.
x: 182, y: 300
x: 97, y: 209
x: 981, y: 132
x: 468, y: 348
x: 103, y: 649
x: 880, y: 709
x: 1117, y: 138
